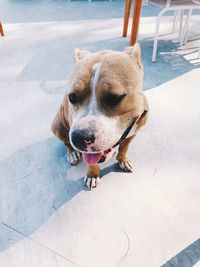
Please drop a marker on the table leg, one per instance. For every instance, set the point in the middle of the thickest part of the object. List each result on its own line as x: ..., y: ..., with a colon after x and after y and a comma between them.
x: 126, y: 16
x: 135, y: 22
x: 1, y: 30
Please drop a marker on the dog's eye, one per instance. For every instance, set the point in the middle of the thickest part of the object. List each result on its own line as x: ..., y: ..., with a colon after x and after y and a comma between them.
x: 112, y: 100
x: 73, y: 98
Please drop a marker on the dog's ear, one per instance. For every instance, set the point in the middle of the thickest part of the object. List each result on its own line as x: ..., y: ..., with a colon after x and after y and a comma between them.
x: 80, y: 54
x: 135, y: 53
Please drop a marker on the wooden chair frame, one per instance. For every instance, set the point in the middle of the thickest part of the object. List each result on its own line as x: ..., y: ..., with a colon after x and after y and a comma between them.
x: 1, y: 30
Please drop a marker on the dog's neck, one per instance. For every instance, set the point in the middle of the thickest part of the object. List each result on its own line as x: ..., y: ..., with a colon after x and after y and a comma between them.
x: 132, y: 127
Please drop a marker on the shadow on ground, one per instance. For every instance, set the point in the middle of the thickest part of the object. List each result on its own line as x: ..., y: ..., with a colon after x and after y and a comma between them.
x: 45, y: 67
x: 35, y: 182
x: 169, y: 64
x: 188, y: 257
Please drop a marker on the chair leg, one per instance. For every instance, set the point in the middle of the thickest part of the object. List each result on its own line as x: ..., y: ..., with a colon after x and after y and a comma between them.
x: 126, y: 16
x: 186, y: 28
x: 135, y: 21
x: 1, y: 30
x: 155, y: 43
x: 180, y: 28
x: 175, y: 21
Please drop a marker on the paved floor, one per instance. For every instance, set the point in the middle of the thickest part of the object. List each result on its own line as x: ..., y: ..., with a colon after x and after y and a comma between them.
x: 148, y: 218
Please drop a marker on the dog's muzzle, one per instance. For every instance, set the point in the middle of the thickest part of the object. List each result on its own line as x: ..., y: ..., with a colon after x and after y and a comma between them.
x: 84, y: 140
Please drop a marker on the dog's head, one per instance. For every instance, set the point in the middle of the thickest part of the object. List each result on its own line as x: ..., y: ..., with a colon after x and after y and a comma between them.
x: 105, y: 96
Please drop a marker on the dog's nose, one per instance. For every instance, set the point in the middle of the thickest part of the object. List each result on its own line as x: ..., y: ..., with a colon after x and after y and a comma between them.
x: 81, y: 139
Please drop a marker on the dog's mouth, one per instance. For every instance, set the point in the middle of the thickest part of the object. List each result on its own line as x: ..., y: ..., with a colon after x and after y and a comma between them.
x: 94, y: 158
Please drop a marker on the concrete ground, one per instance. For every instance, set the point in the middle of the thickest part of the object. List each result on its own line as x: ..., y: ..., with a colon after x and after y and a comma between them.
x: 148, y: 218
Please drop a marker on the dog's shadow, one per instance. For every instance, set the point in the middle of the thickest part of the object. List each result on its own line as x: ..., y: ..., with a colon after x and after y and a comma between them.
x: 35, y: 181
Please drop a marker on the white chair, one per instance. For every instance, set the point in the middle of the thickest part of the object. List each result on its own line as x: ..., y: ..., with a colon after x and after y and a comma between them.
x: 178, y: 6
x: 185, y: 30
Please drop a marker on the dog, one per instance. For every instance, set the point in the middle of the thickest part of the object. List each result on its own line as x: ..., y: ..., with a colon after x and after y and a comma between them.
x: 103, y: 108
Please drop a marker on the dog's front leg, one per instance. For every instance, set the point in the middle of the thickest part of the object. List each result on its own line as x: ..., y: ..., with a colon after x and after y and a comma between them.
x: 62, y: 133
x: 92, y: 177
x: 122, y: 157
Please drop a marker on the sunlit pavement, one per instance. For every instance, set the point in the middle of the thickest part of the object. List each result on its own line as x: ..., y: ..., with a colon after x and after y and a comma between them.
x: 148, y: 218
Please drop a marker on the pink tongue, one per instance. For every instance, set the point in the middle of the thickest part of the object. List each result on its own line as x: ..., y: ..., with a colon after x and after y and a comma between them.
x: 90, y: 158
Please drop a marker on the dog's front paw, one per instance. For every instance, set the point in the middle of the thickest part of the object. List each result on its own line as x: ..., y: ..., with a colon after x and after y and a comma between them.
x: 126, y: 165
x: 91, y: 182
x: 74, y: 157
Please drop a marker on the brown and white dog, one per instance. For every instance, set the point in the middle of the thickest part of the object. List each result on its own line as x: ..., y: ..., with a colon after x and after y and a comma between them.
x: 103, y: 108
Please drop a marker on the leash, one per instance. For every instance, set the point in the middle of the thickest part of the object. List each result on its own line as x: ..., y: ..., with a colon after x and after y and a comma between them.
x: 127, y: 131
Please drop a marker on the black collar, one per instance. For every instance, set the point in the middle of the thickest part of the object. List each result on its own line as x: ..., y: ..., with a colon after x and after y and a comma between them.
x: 128, y: 129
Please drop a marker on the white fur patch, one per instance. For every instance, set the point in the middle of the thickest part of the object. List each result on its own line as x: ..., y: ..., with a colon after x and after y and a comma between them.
x: 91, y: 109
x: 93, y: 102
